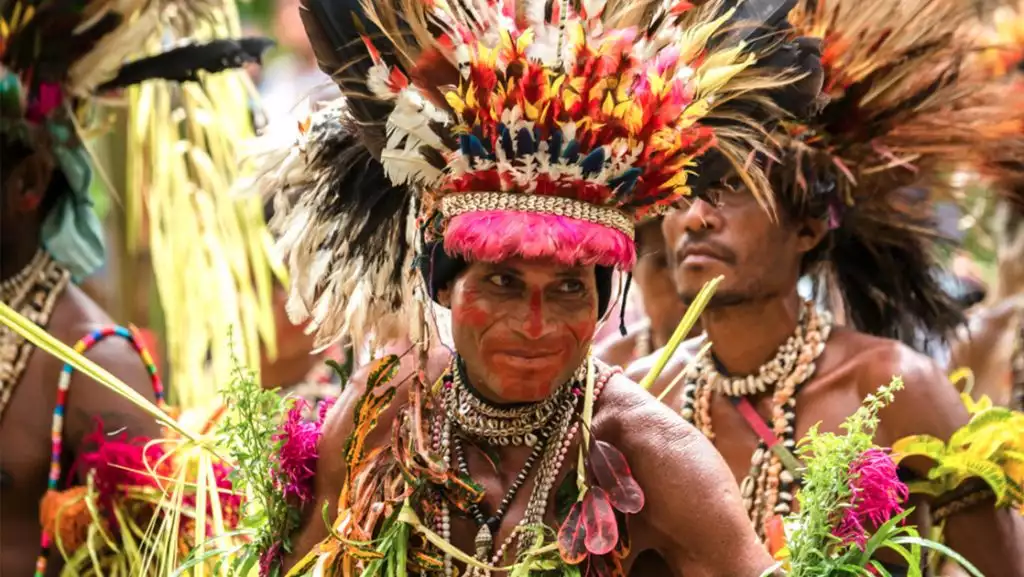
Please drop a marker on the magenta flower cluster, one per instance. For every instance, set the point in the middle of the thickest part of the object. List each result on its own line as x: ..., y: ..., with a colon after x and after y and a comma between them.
x: 877, y: 495
x: 297, y: 455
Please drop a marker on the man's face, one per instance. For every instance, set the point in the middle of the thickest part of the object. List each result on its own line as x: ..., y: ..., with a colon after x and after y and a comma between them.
x: 522, y: 327
x: 734, y: 237
x: 655, y: 279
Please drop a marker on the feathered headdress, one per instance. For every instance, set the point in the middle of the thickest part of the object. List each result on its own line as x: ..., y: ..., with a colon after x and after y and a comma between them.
x: 901, y: 113
x: 497, y: 129
x: 63, y: 51
x: 1002, y: 160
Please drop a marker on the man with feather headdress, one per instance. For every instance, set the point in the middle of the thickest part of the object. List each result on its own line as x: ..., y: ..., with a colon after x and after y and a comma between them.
x: 495, y: 157
x: 992, y: 343
x: 770, y: 365
x: 55, y: 57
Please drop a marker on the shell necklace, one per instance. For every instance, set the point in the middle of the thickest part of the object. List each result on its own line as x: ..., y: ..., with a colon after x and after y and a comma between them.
x: 768, y: 488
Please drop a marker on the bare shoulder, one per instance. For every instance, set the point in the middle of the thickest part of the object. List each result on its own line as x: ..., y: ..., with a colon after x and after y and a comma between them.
x: 331, y: 466
x: 75, y: 316
x: 928, y: 404
x: 692, y: 503
x: 339, y: 421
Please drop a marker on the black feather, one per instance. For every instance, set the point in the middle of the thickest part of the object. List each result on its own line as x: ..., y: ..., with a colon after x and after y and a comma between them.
x: 184, y: 63
x: 334, y: 28
x: 353, y: 191
x: 757, y: 22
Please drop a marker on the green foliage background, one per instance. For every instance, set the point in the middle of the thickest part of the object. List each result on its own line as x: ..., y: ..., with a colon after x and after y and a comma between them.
x: 257, y: 12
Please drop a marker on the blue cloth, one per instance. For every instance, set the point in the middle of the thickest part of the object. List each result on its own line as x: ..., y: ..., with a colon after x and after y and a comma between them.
x: 71, y: 232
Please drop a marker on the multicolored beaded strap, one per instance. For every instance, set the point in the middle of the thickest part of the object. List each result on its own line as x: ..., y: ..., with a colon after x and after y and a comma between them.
x: 57, y: 429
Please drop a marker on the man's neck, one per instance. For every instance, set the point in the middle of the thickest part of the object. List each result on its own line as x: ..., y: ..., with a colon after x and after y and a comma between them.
x: 747, y: 335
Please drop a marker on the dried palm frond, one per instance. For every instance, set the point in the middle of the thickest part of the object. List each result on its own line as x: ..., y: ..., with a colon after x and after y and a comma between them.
x: 209, y: 247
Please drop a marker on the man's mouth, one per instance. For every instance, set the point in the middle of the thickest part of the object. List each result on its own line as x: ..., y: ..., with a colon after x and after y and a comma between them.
x: 528, y: 354
x: 698, y: 255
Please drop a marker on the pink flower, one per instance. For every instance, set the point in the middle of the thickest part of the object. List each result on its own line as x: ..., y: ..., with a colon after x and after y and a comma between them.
x: 118, y: 464
x: 298, y: 453
x: 877, y: 495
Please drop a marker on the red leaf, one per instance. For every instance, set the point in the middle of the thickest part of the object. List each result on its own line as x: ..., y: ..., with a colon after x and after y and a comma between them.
x: 604, y: 566
x: 611, y: 471
x: 571, y: 536
x: 602, y: 530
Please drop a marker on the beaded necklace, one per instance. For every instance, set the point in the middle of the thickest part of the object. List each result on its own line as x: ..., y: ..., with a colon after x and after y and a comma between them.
x: 33, y: 293
x: 768, y: 488
x: 553, y: 424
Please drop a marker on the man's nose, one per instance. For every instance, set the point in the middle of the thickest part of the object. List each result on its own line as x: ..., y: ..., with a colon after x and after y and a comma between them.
x: 535, y: 323
x: 694, y: 217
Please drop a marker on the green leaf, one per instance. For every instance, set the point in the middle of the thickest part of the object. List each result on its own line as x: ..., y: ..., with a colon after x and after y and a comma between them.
x: 249, y: 561
x: 963, y: 465
x: 931, y: 488
x: 993, y: 417
x: 912, y: 556
x: 402, y: 550
x: 880, y: 569
x: 918, y: 446
x: 935, y: 546
x: 881, y: 535
x: 343, y: 372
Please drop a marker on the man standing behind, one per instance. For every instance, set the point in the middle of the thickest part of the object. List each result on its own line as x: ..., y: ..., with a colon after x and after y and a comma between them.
x: 39, y: 200
x: 662, y: 307
x: 777, y: 365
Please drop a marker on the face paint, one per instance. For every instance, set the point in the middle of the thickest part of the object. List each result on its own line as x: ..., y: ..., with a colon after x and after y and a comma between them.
x: 535, y: 316
x: 519, y: 330
x: 469, y: 312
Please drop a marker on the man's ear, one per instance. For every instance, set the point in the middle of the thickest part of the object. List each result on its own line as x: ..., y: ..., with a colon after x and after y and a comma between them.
x: 811, y: 233
x: 25, y: 184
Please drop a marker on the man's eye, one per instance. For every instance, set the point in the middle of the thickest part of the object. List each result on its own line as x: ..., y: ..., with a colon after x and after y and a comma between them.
x: 571, y: 286
x: 500, y: 280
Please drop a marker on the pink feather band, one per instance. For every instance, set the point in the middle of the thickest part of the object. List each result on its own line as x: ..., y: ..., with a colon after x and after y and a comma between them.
x: 497, y: 235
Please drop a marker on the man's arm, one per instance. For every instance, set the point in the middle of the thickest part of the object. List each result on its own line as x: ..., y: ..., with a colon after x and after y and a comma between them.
x: 692, y: 504
x: 991, y: 539
x: 330, y: 472
x: 89, y: 402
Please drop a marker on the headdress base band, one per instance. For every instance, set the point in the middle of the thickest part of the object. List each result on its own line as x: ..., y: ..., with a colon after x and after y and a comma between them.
x: 457, y: 204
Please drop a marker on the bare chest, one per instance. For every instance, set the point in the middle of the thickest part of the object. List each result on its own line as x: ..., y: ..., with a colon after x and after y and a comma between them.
x: 500, y: 472
x: 825, y: 400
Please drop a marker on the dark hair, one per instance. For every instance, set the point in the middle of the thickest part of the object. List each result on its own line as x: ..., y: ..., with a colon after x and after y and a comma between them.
x: 13, y: 151
x: 882, y: 255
